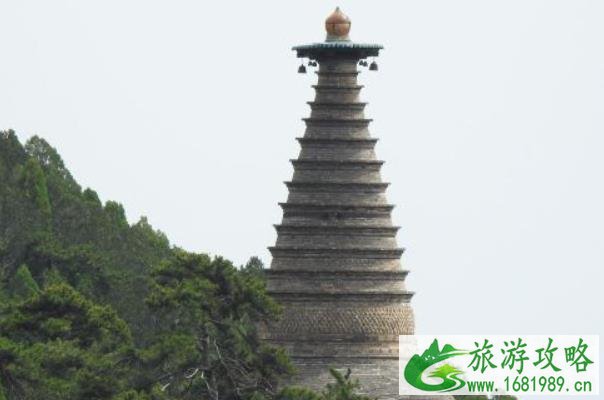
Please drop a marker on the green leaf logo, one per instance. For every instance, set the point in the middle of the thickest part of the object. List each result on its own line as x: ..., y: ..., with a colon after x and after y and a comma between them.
x: 418, y: 366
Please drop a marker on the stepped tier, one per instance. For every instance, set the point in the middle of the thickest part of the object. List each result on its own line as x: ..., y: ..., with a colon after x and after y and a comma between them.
x: 368, y: 253
x: 337, y: 94
x: 348, y: 284
x: 345, y: 236
x: 337, y: 121
x: 339, y: 111
x: 358, y: 171
x: 335, y: 265
x: 291, y: 209
x: 330, y: 214
x: 349, y: 187
x: 339, y: 230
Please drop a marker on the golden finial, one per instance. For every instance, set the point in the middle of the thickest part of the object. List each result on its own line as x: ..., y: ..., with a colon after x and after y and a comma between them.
x: 337, y: 25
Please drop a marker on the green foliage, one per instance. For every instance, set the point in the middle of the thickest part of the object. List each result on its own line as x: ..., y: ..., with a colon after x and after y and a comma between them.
x: 34, y: 183
x: 82, y: 266
x: 39, y: 149
x: 254, y: 266
x: 22, y: 286
x: 208, y: 345
x: 92, y: 307
x: 298, y: 393
x: 117, y: 215
x: 11, y: 151
x: 59, y: 345
x: 344, y: 388
x: 65, y: 234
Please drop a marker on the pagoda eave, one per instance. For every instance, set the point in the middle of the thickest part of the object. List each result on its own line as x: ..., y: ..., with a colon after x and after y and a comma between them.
x: 403, y: 296
x: 368, y: 275
x: 344, y: 207
x: 336, y: 140
x: 338, y: 121
x: 327, y: 252
x: 339, y: 48
x: 334, y: 163
x: 367, y: 230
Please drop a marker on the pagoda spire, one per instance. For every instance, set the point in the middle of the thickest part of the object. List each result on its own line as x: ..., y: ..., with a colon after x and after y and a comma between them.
x: 336, y: 262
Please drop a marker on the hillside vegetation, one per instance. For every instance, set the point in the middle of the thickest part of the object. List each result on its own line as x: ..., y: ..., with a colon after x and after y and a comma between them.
x: 92, y: 307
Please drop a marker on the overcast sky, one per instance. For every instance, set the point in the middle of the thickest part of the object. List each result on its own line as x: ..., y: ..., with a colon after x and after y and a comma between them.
x: 489, y: 114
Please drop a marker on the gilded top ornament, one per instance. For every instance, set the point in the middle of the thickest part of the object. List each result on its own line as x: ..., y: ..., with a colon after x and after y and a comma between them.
x: 337, y: 26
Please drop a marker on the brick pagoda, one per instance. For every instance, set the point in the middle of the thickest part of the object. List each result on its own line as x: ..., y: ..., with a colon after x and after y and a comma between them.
x: 336, y: 264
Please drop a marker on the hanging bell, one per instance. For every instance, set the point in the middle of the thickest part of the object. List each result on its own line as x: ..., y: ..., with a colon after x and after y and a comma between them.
x: 301, y: 69
x: 373, y: 66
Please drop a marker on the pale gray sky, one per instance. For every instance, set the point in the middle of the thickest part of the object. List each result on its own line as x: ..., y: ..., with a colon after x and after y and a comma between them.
x: 490, y: 116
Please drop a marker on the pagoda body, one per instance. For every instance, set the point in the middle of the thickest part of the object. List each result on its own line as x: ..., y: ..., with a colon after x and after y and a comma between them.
x: 336, y: 266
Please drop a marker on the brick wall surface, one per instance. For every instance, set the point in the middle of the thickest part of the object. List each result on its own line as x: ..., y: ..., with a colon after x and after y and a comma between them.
x: 336, y: 263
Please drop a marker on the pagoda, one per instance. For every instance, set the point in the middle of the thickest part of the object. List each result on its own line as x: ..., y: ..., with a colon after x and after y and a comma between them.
x: 336, y: 266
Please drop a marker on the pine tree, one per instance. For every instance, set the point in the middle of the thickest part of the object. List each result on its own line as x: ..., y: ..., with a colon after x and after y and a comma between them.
x: 59, y: 345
